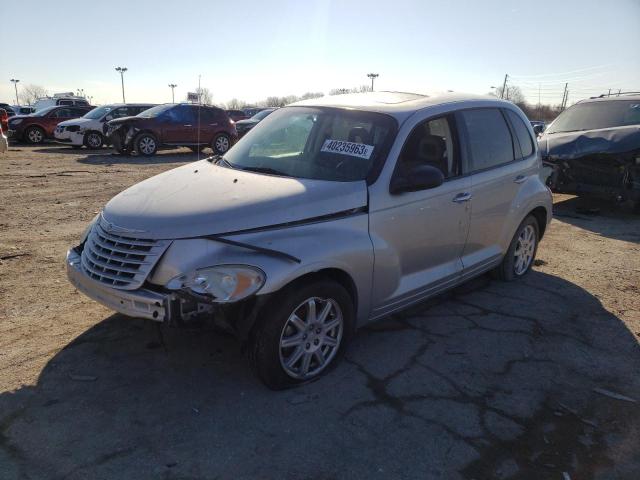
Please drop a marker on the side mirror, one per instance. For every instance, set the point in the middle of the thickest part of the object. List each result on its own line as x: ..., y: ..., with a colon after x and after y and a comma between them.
x: 108, y: 117
x: 419, y: 177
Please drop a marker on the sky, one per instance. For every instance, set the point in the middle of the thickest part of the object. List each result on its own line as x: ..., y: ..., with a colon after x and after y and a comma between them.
x: 253, y: 49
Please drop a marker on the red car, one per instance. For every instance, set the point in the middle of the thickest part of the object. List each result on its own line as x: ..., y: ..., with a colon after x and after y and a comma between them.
x: 4, y: 119
x: 236, y: 115
x: 38, y: 126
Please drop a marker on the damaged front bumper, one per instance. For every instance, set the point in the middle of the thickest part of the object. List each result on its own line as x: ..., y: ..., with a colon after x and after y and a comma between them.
x: 141, y: 303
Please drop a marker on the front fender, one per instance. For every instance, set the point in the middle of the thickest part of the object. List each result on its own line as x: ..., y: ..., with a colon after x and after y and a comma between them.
x: 342, y: 244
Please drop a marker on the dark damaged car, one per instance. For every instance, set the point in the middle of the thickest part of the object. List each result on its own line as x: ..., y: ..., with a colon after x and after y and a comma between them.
x: 173, y: 125
x: 593, y: 148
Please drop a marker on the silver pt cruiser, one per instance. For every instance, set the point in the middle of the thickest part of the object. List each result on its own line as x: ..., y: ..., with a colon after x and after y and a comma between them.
x: 330, y: 213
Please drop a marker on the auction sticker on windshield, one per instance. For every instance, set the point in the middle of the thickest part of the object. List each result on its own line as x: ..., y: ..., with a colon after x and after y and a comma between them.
x: 347, y: 148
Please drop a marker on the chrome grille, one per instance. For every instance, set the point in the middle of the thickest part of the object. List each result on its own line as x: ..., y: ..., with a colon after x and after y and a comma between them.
x: 119, y: 261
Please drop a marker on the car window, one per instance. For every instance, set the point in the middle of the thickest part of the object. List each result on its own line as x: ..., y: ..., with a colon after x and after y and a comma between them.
x: 124, y: 112
x: 65, y: 102
x: 209, y: 115
x: 62, y: 113
x: 182, y: 114
x: 431, y: 143
x: 522, y: 133
x: 490, y: 141
x: 78, y: 112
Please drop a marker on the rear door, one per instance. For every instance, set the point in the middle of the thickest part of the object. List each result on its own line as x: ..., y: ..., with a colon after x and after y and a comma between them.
x: 498, y: 171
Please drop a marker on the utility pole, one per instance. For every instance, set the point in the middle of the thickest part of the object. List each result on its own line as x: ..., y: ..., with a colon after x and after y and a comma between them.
x: 121, y: 70
x: 504, y: 87
x: 172, y: 86
x: 15, y: 86
x: 372, y: 76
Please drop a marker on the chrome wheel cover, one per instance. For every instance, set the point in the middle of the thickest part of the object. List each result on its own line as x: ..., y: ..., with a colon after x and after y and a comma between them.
x: 222, y: 144
x: 35, y: 135
x: 147, y: 145
x: 525, y: 248
x: 94, y: 140
x: 311, y: 337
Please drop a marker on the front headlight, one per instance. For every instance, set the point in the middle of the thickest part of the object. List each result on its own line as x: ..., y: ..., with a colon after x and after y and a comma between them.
x: 225, y: 283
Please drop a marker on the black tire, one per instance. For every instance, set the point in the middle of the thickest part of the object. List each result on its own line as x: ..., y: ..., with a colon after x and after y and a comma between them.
x: 34, y: 135
x: 221, y: 144
x: 93, y: 140
x: 145, y: 144
x: 264, y: 344
x: 507, y: 270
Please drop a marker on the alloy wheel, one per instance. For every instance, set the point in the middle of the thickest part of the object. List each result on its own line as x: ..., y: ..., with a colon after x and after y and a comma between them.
x: 35, y: 135
x: 222, y: 144
x: 525, y: 248
x: 147, y: 145
x: 311, y: 337
x: 94, y: 140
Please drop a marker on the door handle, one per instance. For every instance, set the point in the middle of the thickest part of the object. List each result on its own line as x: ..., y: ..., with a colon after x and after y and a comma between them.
x: 462, y: 197
x: 187, y: 125
x: 520, y: 179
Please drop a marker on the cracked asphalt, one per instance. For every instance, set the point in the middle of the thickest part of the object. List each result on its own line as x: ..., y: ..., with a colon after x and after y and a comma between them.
x: 526, y: 380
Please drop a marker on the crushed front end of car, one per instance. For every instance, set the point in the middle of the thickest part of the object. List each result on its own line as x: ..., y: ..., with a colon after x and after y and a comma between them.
x: 602, y: 162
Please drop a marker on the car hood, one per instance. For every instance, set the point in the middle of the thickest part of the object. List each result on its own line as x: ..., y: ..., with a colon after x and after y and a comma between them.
x: 201, y: 199
x: 122, y: 120
x: 247, y: 121
x: 572, y: 145
x: 76, y: 121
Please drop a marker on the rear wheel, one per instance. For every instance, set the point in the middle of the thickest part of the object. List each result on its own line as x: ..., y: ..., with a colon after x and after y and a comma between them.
x: 93, y: 140
x: 221, y: 143
x: 301, y: 333
x: 146, y: 144
x: 522, y: 251
x: 34, y: 135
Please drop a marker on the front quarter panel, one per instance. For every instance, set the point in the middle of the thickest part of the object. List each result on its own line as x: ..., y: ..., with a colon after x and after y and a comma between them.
x: 342, y: 244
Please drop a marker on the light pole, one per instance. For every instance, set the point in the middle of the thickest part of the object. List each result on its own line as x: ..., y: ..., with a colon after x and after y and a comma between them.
x: 172, y: 86
x: 121, y: 70
x: 15, y: 86
x: 81, y: 92
x: 372, y: 76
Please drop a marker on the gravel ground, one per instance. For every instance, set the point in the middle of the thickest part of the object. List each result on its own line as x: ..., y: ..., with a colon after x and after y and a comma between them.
x: 526, y: 380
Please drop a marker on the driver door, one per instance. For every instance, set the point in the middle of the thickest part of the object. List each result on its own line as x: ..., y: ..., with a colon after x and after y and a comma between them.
x: 419, y: 237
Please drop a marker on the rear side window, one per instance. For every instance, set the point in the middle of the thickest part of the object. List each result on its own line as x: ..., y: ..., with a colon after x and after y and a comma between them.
x: 522, y: 133
x: 489, y: 138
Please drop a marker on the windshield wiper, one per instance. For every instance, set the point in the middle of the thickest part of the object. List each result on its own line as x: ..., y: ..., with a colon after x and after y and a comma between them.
x: 220, y: 160
x: 267, y: 170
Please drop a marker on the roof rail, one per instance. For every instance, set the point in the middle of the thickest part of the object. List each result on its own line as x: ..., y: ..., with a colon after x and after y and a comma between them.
x: 615, y: 94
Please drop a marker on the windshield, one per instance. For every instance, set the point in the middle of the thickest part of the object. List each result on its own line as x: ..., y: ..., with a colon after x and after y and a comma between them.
x: 317, y: 143
x: 597, y: 115
x: 261, y: 114
x: 44, y: 111
x: 156, y: 111
x: 97, y: 113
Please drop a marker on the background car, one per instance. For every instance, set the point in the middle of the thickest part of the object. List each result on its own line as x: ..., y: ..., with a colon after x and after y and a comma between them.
x: 60, y: 99
x: 23, y: 109
x: 593, y: 148
x: 173, y: 125
x: 8, y: 109
x: 89, y: 129
x: 236, y: 115
x: 243, y: 126
x: 39, y: 126
x: 538, y: 126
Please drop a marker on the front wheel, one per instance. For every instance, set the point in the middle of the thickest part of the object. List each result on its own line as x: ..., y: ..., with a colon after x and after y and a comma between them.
x: 301, y: 333
x: 34, y: 135
x: 522, y: 251
x: 146, y: 144
x: 93, y: 140
x: 221, y: 144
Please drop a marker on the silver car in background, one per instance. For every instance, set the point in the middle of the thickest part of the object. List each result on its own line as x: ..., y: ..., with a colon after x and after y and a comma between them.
x: 329, y: 214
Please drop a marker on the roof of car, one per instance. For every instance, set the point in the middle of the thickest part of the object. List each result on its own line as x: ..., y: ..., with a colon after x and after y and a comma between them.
x: 394, y: 103
x: 606, y: 98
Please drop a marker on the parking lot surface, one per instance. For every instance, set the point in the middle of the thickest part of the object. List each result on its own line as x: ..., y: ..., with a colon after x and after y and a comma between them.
x: 525, y: 380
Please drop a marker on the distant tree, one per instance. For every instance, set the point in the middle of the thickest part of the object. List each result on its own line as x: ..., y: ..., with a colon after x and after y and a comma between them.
x: 235, y: 104
x: 341, y: 91
x: 512, y: 93
x: 30, y: 93
x: 309, y: 95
